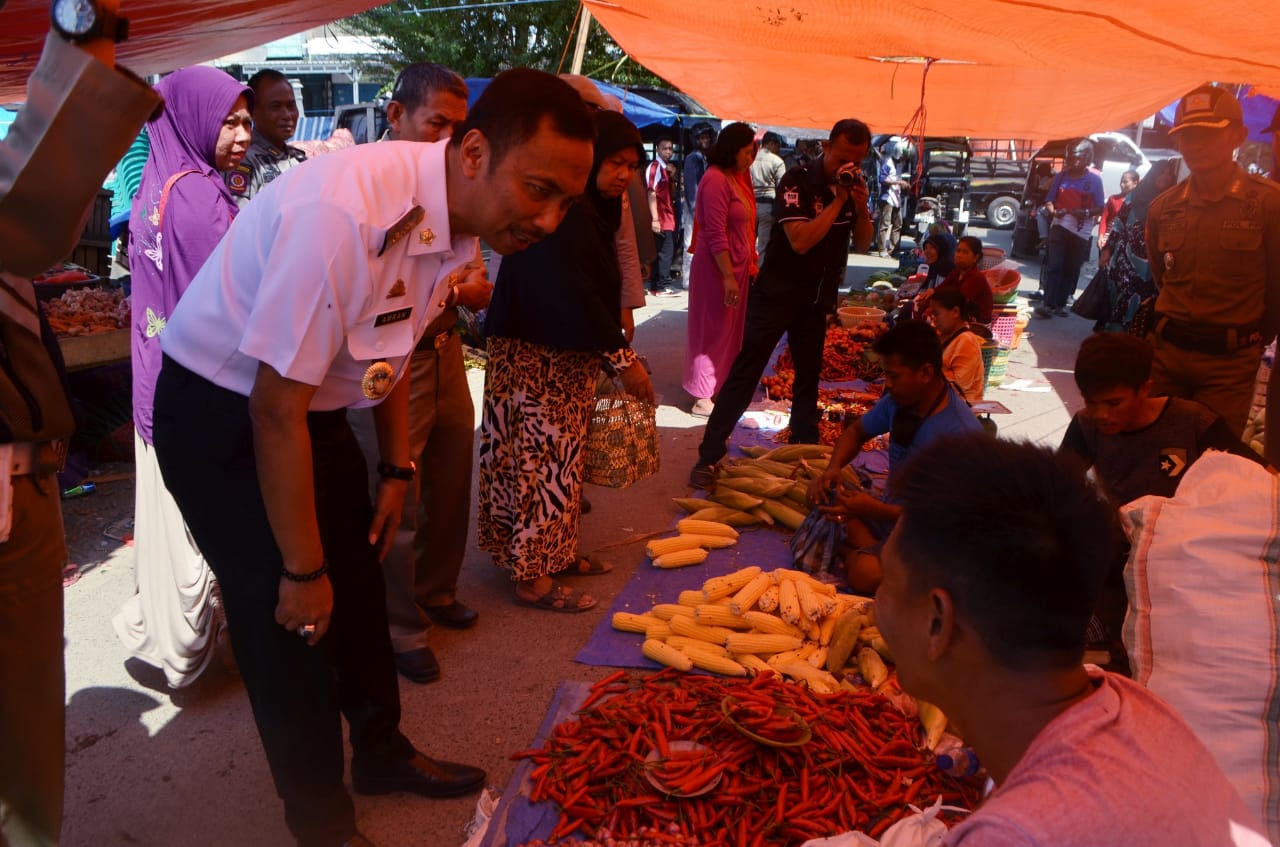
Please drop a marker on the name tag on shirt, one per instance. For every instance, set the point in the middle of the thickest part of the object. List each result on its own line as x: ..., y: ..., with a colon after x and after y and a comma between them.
x: 392, y: 317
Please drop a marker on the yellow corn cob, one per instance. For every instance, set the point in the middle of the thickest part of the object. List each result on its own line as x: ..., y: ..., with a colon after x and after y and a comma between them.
x: 819, y: 680
x: 722, y: 586
x: 812, y: 631
x: 796, y: 452
x: 809, y: 606
x: 788, y: 602
x: 827, y: 629
x: 754, y: 451
x: 872, y: 668
x: 690, y: 598
x: 735, y: 499
x: 666, y: 610
x: 627, y: 622
x: 844, y: 639
x: 753, y: 642
x: 721, y: 665
x: 777, y: 660
x: 783, y: 513
x: 713, y: 614
x: 764, y: 487
x: 850, y: 476
x: 716, y: 542
x: 689, y: 629
x: 818, y: 658
x: 693, y: 504
x: 761, y: 515
x: 799, y: 494
x: 933, y: 721
x: 750, y: 661
x: 664, y: 654
x: 768, y: 624
x: 820, y: 587
x: 817, y: 464
x: 867, y: 633
x: 660, y: 630
x: 881, y: 646
x: 779, y: 469
x: 662, y: 546
x: 768, y: 601
x: 807, y: 649
x: 748, y: 594
x: 724, y: 515
x: 681, y: 558
x: 685, y: 644
x: 701, y: 527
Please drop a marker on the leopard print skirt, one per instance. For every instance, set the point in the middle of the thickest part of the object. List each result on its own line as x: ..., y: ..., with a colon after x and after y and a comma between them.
x: 537, y: 405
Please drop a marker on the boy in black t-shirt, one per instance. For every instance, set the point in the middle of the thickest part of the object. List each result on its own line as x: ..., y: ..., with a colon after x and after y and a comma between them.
x: 1136, y: 445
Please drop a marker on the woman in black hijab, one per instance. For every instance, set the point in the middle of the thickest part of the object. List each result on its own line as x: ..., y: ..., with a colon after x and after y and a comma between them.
x: 553, y: 323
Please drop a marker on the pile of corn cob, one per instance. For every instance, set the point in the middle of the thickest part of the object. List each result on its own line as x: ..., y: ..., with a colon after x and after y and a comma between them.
x: 768, y: 487
x: 753, y: 620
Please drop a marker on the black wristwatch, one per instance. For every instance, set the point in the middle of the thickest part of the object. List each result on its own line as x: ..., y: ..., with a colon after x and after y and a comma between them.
x: 388, y: 471
x: 79, y: 21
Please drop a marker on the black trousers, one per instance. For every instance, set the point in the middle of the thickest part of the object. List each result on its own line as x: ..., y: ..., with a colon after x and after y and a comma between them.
x: 204, y: 444
x: 660, y: 270
x: 1067, y: 255
x: 768, y: 317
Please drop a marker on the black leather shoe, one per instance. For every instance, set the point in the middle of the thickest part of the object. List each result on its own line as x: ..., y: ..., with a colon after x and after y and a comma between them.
x: 454, y: 615
x: 419, y: 775
x: 418, y: 665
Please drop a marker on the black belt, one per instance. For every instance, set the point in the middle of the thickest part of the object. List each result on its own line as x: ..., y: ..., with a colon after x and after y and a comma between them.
x: 1213, y: 339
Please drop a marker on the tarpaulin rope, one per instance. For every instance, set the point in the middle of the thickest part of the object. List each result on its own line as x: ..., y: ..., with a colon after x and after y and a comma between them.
x: 914, y: 131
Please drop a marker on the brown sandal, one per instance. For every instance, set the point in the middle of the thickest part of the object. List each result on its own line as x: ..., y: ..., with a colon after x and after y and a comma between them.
x: 561, y: 598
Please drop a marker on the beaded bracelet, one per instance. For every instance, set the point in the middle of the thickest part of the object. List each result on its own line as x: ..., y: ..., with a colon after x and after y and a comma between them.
x: 306, y: 577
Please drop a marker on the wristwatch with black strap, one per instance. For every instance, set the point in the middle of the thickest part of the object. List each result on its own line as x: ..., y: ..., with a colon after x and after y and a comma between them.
x: 389, y: 471
x: 79, y: 21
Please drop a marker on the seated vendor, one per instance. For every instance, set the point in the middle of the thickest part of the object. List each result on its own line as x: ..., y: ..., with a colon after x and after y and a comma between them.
x: 961, y: 347
x: 989, y: 578
x: 970, y: 280
x: 918, y: 408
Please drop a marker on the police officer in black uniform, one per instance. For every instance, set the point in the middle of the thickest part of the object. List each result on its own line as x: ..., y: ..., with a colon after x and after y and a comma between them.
x: 818, y: 206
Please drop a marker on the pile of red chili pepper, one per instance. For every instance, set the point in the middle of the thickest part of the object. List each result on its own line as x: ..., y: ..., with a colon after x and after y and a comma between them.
x: 859, y: 771
x: 842, y: 358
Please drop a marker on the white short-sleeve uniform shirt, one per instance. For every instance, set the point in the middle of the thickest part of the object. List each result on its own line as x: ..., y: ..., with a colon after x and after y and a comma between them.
x: 312, y: 280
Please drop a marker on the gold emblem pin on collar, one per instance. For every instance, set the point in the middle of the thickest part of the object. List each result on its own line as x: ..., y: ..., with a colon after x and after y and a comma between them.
x: 427, y: 237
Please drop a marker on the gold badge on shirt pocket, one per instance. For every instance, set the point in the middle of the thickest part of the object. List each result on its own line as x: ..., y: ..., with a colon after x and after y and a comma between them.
x: 378, y: 379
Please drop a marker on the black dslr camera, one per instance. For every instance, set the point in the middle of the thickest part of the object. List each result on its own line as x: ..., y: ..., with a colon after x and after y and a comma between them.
x: 850, y: 178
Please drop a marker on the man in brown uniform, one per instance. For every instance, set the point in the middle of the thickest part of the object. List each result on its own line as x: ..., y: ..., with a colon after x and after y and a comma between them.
x: 1214, y: 247
x: 75, y: 85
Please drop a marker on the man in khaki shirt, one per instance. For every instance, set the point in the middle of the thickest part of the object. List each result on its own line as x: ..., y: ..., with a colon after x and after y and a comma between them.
x: 1214, y: 247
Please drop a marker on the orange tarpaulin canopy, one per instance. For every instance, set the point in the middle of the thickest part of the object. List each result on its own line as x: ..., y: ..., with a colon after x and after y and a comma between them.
x: 165, y: 35
x: 1006, y: 68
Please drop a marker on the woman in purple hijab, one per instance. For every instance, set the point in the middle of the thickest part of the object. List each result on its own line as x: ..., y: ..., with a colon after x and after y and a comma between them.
x: 181, y: 210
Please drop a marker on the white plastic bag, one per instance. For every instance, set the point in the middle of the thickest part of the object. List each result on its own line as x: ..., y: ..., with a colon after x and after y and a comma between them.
x: 922, y: 829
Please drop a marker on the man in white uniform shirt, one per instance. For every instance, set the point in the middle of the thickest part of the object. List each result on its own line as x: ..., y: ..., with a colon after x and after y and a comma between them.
x: 312, y: 304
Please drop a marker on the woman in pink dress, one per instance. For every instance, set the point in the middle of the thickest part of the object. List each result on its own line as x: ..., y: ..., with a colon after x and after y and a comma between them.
x: 722, y: 268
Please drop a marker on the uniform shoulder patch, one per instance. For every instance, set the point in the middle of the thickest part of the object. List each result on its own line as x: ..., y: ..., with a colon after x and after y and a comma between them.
x: 401, y: 228
x: 238, y: 179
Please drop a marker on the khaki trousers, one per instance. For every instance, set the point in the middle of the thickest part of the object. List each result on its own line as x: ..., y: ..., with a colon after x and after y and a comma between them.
x: 1224, y: 383
x: 32, y: 680
x: 426, y: 557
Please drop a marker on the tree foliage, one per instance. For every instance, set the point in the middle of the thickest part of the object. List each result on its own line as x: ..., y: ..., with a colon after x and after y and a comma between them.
x: 481, y: 42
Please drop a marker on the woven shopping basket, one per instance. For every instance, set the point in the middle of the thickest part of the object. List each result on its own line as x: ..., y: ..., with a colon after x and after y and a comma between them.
x: 622, y: 441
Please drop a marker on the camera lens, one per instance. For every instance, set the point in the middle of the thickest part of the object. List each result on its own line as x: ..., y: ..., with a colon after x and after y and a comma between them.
x: 845, y: 178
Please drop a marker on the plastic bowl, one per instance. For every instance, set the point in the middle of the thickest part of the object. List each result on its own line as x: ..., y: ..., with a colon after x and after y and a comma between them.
x: 806, y: 731
x: 851, y: 316
x: 677, y: 746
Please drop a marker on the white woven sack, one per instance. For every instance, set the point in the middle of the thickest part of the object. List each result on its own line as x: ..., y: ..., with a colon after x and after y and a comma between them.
x: 1203, y: 628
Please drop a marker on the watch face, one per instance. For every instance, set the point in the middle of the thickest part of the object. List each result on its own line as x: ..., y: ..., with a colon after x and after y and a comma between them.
x: 75, y: 17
